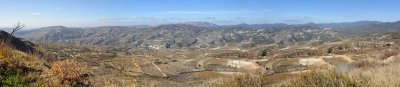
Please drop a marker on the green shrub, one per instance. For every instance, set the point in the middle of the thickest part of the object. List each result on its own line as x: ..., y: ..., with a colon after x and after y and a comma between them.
x: 13, y: 78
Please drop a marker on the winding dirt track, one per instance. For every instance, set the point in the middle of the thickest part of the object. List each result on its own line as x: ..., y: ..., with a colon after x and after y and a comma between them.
x: 158, y: 68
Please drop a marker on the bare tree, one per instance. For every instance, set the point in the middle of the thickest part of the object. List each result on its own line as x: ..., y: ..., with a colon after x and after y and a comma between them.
x: 17, y: 27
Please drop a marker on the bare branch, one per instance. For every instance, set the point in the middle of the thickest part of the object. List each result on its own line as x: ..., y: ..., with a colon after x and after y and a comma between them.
x: 17, y: 27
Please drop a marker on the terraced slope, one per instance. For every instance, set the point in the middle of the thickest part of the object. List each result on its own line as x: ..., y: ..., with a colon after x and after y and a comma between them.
x: 165, y: 70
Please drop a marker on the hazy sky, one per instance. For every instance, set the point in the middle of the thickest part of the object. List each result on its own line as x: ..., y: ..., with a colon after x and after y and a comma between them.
x: 87, y: 13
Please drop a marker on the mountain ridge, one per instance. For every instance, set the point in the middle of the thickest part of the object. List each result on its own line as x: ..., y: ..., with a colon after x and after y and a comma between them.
x: 202, y: 34
x: 175, y: 35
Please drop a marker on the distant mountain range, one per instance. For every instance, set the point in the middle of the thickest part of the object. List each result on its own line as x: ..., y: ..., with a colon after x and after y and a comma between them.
x: 347, y: 28
x: 203, y: 34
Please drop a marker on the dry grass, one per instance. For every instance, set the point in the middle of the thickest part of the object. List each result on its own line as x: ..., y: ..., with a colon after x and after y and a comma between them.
x: 328, y: 79
x: 111, y: 83
x: 367, y: 63
x: 4, y: 50
x: 242, y: 80
x: 25, y: 69
x: 388, y: 54
x: 66, y: 73
x: 377, y: 76
x: 18, y: 69
x: 17, y: 59
x: 209, y: 74
x: 278, y: 79
x: 383, y: 76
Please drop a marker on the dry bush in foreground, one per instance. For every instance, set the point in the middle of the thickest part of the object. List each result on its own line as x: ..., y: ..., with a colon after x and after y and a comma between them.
x: 383, y: 76
x: 328, y: 79
x: 66, y: 73
x: 4, y: 50
x: 388, y: 54
x: 367, y: 63
x: 242, y: 80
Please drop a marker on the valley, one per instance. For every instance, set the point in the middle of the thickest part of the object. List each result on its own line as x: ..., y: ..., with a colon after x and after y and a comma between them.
x: 199, y: 43
x: 186, y: 55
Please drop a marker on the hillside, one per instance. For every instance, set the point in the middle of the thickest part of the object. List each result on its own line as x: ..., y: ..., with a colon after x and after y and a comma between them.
x: 23, y: 65
x: 177, y: 36
x: 17, y: 43
x: 202, y: 34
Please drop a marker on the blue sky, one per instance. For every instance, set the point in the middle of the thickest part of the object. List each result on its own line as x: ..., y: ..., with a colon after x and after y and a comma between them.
x: 89, y: 13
